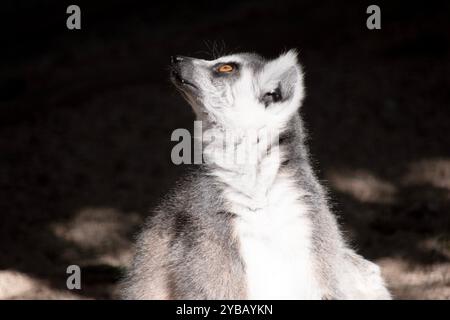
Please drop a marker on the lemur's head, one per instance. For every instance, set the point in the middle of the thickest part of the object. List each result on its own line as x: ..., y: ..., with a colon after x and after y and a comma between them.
x: 241, y: 90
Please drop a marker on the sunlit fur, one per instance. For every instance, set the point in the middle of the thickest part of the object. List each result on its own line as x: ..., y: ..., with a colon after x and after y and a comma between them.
x: 248, y: 229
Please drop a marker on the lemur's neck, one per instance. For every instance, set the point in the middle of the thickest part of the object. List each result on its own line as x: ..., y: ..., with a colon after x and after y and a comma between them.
x: 248, y: 163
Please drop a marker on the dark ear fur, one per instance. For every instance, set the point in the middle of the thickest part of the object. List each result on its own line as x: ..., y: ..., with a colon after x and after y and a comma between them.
x: 288, y: 83
x: 281, y: 79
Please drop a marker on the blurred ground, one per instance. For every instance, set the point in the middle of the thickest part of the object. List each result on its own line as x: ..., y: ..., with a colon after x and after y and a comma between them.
x: 86, y: 118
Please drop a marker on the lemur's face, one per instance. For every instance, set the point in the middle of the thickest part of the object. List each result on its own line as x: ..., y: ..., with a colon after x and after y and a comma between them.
x: 241, y: 90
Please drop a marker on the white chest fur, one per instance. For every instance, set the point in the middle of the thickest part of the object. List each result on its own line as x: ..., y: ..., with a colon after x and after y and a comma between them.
x: 275, y: 247
x: 272, y: 224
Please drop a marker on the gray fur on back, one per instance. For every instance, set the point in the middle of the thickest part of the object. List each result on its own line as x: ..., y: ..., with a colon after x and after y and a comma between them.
x: 188, y: 243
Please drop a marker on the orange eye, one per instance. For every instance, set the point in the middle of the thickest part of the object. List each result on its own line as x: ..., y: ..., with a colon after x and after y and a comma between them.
x: 225, y: 68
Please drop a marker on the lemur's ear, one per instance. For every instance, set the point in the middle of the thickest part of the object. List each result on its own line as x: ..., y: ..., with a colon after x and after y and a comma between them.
x: 281, y: 80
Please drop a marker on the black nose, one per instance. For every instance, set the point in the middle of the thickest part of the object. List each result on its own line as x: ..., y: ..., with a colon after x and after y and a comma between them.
x: 176, y: 59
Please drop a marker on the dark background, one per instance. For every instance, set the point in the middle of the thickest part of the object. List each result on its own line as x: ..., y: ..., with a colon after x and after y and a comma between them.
x: 86, y: 117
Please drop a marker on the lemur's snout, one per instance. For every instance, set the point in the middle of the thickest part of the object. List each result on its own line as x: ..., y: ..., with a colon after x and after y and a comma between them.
x: 179, y: 61
x: 181, y: 72
x: 176, y: 59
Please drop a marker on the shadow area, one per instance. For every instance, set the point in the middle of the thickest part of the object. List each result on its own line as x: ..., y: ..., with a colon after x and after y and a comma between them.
x: 77, y: 181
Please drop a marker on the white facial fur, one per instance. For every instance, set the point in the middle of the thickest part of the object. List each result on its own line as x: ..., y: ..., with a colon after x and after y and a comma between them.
x: 234, y: 102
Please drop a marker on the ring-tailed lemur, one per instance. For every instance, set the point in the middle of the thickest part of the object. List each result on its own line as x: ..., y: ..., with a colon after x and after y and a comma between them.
x: 251, y: 229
